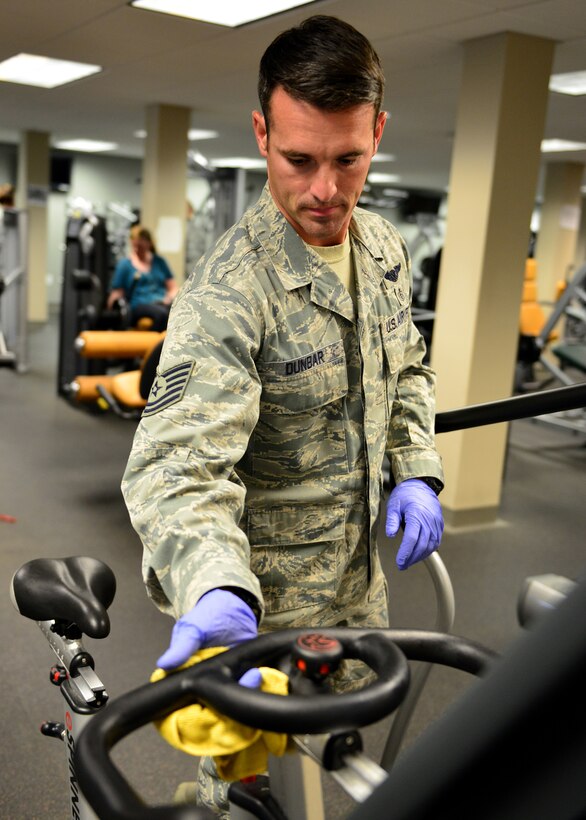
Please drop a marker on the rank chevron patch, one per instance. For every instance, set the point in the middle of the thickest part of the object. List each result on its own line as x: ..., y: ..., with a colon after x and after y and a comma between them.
x: 168, y: 388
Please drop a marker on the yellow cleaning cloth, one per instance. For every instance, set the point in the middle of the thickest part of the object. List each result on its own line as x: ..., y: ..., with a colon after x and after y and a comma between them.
x: 239, y: 751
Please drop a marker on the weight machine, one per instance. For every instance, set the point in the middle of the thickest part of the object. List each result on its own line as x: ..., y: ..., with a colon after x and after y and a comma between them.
x: 87, y: 270
x: 559, y: 359
x: 13, y: 290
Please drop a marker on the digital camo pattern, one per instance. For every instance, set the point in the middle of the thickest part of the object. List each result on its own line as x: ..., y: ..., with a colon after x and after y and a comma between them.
x: 266, y: 472
x: 211, y: 790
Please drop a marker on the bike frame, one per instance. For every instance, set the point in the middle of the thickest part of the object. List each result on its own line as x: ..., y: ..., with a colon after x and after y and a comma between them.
x: 295, y: 780
x: 84, y: 695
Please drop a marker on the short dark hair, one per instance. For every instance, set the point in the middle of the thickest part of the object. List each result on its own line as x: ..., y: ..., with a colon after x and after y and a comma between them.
x: 323, y: 61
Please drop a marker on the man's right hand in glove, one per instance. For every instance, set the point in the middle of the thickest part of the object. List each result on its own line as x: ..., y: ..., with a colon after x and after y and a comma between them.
x: 220, y: 618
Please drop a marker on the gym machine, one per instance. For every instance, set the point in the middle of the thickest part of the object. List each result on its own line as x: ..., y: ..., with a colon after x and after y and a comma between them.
x: 13, y: 290
x: 528, y: 708
x: 557, y: 359
x: 513, y: 745
x: 87, y: 270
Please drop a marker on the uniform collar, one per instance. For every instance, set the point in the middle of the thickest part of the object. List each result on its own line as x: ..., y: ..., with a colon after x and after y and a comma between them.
x: 297, y: 266
x: 379, y: 262
x: 294, y: 264
x: 369, y: 243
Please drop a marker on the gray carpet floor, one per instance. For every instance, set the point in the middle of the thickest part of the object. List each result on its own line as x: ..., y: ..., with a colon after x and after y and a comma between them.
x: 60, y: 471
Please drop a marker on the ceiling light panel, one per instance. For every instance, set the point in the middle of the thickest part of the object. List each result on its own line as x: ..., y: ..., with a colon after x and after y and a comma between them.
x: 43, y: 72
x: 222, y: 12
x: 377, y: 179
x: 239, y: 162
x: 193, y: 135
x: 90, y: 146
x: 554, y: 145
x: 380, y: 157
x: 574, y: 83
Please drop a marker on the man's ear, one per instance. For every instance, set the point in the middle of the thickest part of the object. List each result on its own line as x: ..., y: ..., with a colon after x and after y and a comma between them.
x: 260, y: 132
x: 379, y: 127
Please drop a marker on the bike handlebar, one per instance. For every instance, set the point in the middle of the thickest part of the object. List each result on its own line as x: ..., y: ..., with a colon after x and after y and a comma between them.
x: 214, y: 682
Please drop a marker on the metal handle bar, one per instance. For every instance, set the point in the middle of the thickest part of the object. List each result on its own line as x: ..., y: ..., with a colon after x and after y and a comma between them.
x: 214, y: 682
x: 446, y: 609
x: 530, y: 405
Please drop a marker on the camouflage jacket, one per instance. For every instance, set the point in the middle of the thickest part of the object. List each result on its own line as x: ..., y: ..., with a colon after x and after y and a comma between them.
x: 274, y: 405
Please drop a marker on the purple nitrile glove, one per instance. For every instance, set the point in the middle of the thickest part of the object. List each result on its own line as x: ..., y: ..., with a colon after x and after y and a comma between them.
x: 219, y: 618
x: 252, y: 679
x: 415, y: 504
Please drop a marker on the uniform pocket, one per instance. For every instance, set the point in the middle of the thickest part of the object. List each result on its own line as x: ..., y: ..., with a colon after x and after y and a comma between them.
x: 300, y: 433
x: 294, y: 553
x: 299, y: 393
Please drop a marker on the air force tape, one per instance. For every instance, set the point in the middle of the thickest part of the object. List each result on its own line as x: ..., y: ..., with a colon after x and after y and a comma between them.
x: 168, y: 388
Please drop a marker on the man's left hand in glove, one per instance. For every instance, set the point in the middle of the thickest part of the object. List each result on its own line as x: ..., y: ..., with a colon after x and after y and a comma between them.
x: 413, y: 504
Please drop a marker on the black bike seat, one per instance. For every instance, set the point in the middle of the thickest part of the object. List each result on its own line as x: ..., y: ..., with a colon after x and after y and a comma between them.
x: 77, y: 590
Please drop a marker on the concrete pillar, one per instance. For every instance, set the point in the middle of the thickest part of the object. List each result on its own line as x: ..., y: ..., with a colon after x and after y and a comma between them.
x: 559, y: 226
x: 164, y: 183
x: 32, y: 194
x: 580, y: 257
x: 494, y: 175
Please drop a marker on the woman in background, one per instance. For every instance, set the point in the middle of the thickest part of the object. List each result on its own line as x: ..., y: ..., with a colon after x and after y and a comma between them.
x: 144, y: 280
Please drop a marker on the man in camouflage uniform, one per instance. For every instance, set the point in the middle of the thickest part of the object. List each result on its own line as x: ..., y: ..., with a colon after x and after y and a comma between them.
x: 291, y: 367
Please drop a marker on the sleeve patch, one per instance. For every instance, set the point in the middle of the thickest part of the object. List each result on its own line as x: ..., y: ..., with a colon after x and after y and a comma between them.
x: 168, y: 388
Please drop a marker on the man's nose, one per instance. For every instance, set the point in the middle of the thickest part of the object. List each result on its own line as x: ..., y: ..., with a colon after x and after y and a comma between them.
x: 323, y: 185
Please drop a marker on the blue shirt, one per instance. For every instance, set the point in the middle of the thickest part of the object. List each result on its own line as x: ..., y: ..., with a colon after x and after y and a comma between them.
x: 142, y: 288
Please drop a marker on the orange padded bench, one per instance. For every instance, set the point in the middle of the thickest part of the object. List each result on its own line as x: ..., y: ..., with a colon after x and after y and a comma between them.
x: 123, y: 387
x: 116, y: 344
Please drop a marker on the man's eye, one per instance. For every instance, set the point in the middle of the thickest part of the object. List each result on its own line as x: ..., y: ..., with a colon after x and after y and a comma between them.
x: 347, y: 162
x: 297, y: 162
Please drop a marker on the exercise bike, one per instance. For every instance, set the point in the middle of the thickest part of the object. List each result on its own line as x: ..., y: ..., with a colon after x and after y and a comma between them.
x: 529, y: 704
x: 69, y: 598
x: 515, y: 708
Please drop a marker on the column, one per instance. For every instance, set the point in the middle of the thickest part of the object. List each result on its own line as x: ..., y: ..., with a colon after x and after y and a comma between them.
x: 164, y: 184
x: 559, y: 226
x: 32, y: 195
x: 494, y: 175
x: 580, y: 257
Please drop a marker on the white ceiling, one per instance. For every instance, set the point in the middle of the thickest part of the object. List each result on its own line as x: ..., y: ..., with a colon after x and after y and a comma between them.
x: 153, y: 58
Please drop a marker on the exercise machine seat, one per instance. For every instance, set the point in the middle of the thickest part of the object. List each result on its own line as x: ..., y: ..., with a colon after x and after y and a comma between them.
x: 115, y: 344
x: 85, y: 388
x: 125, y: 389
x: 572, y: 355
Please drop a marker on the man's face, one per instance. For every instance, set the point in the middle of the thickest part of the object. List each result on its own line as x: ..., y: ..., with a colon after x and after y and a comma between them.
x: 317, y: 162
